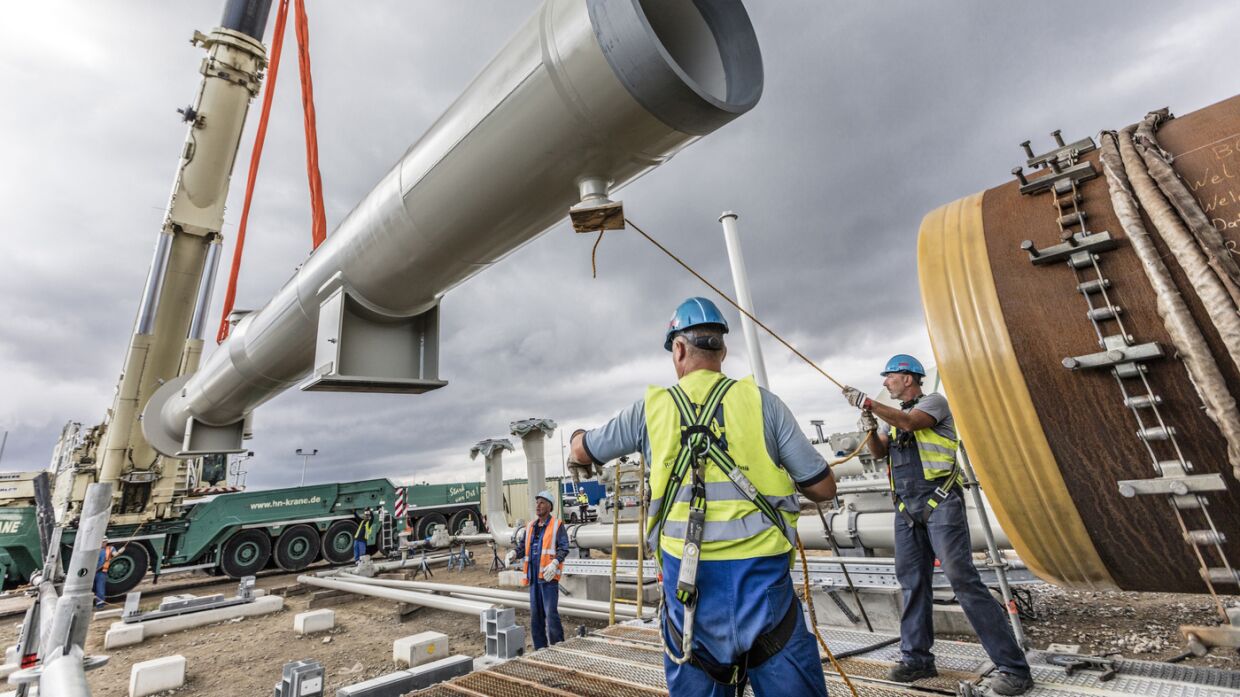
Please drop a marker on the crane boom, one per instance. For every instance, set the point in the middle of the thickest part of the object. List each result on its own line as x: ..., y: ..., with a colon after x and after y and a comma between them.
x: 167, y: 335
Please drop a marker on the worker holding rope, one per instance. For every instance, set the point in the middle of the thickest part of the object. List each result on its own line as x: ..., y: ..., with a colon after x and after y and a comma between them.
x: 727, y: 460
x: 931, y: 524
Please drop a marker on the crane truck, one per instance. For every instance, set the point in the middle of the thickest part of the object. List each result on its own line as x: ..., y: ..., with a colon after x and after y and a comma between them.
x: 154, y: 522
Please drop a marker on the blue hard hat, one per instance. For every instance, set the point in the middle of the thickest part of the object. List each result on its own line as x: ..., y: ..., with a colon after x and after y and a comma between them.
x: 693, y: 312
x: 904, y: 363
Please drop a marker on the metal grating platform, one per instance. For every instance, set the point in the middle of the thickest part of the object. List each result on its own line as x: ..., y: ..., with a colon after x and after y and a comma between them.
x: 877, y: 670
x: 627, y: 661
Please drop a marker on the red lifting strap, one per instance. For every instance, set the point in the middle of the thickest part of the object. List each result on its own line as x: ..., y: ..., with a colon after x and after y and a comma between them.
x: 318, y: 218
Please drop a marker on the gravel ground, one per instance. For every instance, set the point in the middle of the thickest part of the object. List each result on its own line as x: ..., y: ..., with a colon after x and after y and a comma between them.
x: 1143, y: 626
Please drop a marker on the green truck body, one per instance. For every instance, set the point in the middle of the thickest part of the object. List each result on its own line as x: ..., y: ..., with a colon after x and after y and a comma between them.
x: 239, y: 534
x: 21, y: 553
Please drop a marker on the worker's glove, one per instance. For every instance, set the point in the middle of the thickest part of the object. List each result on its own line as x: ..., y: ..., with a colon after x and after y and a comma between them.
x: 510, y: 558
x: 856, y: 397
x: 549, y: 572
x: 867, y: 423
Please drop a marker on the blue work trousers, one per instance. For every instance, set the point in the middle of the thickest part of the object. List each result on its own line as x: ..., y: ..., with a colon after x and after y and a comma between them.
x: 359, y: 549
x: 738, y: 601
x: 101, y: 587
x: 545, y: 613
x: 946, y: 538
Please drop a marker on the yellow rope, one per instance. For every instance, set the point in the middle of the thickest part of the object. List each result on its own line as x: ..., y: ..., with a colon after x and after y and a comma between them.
x: 745, y: 312
x: 809, y: 602
x: 734, y: 304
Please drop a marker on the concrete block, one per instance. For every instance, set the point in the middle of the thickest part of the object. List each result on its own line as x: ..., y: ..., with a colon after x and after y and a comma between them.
x: 169, y: 625
x: 11, y: 662
x: 121, y: 634
x: 150, y: 677
x: 420, y: 648
x: 510, y: 579
x: 405, y: 681
x: 109, y: 614
x: 445, y: 668
x: 259, y: 592
x: 950, y: 619
x: 314, y: 621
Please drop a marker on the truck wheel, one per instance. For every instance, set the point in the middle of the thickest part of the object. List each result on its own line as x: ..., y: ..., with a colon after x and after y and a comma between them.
x: 461, y: 517
x: 246, y: 553
x: 127, y: 569
x: 297, y: 548
x: 338, y: 542
x: 427, y: 522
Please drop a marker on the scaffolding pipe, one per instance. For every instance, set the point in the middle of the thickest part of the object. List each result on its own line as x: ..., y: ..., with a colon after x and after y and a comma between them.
x: 408, y: 563
x: 740, y: 280
x: 524, y: 604
x: 488, y: 593
x: 437, y: 602
x: 995, y: 560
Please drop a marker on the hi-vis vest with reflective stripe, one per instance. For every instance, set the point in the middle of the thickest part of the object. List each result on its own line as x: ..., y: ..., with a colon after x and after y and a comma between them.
x: 937, y: 453
x: 546, y: 555
x: 735, y: 528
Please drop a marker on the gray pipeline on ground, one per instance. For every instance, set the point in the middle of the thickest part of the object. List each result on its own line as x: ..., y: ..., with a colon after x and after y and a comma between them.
x: 497, y: 594
x: 872, y: 530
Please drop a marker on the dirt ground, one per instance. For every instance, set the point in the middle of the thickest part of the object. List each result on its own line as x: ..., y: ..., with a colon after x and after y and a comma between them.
x: 245, y: 657
x: 1142, y: 626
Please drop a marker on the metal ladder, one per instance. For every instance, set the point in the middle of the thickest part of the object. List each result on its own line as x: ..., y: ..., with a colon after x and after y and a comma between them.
x: 388, y: 539
x: 618, y: 505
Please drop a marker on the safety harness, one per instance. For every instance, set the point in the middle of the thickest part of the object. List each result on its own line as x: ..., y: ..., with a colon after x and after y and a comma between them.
x: 700, y: 447
x: 905, y: 439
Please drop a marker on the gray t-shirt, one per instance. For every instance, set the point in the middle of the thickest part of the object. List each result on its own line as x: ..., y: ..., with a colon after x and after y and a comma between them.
x: 935, y: 405
x: 785, y: 443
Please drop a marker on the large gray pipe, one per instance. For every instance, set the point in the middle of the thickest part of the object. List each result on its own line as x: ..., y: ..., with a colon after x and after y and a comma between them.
x: 588, y: 91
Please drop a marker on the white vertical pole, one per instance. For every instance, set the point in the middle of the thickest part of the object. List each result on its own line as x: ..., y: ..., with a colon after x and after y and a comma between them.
x: 740, y: 279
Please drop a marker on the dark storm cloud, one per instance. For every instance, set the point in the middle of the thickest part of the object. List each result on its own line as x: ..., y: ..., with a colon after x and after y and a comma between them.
x: 873, y: 114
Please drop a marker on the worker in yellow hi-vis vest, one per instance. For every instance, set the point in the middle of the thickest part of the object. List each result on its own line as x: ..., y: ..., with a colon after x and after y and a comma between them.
x: 726, y: 461
x: 365, y: 535
x: 931, y: 524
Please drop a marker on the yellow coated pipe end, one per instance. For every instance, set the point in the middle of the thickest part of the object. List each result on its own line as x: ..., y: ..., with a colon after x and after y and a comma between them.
x: 991, y: 404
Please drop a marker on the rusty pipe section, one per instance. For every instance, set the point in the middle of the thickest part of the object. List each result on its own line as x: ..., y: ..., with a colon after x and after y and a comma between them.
x: 587, y: 90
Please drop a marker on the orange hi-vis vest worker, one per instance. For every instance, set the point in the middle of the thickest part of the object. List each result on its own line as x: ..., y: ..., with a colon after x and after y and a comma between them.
x: 108, y: 552
x: 547, y: 555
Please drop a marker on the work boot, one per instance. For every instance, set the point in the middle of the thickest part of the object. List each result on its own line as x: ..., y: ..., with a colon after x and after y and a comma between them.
x: 903, y: 672
x: 1008, y: 684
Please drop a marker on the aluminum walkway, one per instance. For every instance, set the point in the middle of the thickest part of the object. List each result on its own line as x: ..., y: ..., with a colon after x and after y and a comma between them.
x: 627, y: 661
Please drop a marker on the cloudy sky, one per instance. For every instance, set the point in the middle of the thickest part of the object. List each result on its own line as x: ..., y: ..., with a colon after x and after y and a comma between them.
x: 873, y: 114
